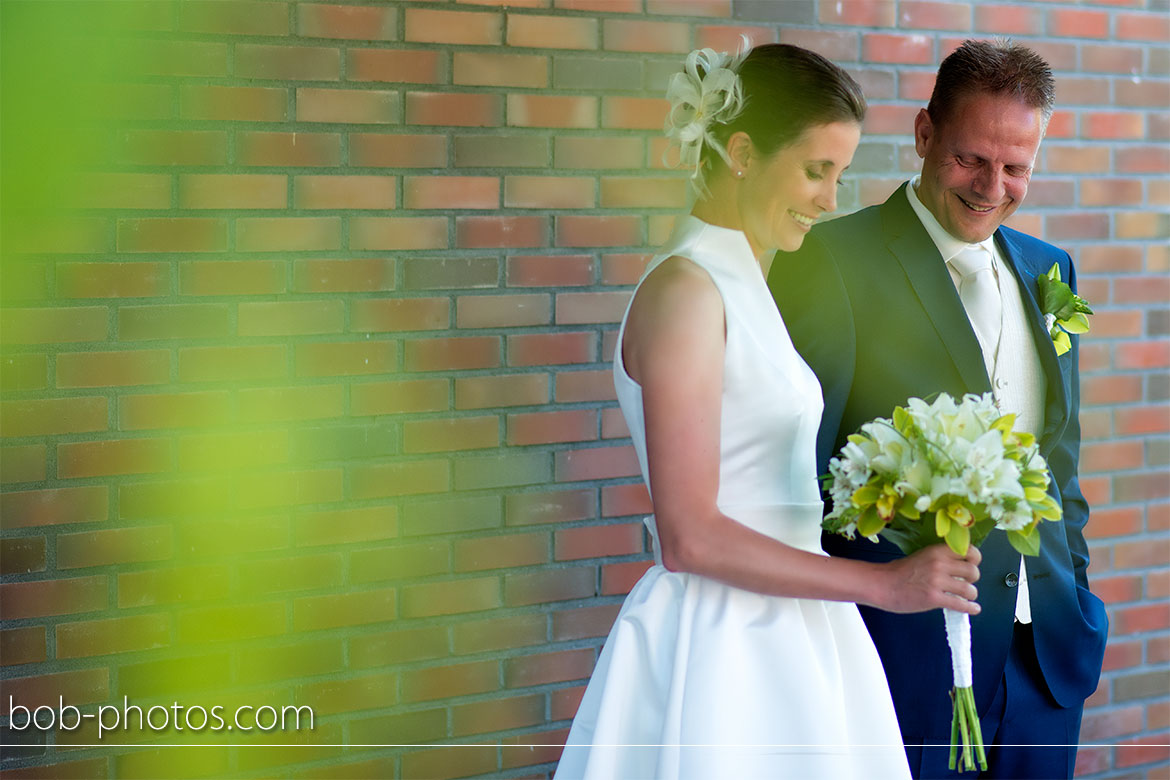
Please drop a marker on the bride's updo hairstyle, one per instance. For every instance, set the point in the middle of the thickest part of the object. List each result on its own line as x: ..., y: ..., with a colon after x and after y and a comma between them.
x: 774, y: 93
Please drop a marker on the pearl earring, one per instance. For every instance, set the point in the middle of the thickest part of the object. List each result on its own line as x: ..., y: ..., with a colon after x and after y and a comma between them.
x: 739, y: 174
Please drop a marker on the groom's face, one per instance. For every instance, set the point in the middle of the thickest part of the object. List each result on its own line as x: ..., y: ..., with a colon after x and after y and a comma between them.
x: 976, y: 162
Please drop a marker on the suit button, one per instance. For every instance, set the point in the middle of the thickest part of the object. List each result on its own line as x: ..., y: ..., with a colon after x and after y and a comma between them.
x: 1011, y: 580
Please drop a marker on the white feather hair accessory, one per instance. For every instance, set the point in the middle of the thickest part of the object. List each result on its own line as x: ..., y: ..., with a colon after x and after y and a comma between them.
x: 698, y: 102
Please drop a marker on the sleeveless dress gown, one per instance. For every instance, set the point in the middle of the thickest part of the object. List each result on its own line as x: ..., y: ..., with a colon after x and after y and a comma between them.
x: 699, y: 679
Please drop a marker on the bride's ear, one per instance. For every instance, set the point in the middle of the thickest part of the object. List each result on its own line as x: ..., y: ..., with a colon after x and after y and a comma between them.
x: 740, y: 152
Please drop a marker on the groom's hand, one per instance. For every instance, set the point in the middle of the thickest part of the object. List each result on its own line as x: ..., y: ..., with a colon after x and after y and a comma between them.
x: 930, y: 578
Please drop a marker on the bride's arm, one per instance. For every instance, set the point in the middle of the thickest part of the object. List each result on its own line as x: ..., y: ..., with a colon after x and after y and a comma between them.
x: 673, y: 347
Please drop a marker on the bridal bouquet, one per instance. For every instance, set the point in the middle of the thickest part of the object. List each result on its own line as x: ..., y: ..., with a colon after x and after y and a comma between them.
x: 944, y: 471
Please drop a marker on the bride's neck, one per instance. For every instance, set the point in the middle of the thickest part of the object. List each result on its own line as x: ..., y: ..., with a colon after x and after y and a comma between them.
x: 721, y: 208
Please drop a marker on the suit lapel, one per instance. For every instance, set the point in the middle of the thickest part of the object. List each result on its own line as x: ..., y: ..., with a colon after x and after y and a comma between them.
x: 909, y: 242
x: 1056, y: 402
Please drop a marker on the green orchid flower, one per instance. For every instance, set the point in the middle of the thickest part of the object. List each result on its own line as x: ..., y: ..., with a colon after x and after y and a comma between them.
x: 1064, y: 311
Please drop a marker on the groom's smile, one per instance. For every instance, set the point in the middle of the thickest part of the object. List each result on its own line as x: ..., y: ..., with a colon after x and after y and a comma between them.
x: 977, y: 161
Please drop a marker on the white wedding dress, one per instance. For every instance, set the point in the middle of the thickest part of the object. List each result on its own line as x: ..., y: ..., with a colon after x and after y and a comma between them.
x: 703, y: 680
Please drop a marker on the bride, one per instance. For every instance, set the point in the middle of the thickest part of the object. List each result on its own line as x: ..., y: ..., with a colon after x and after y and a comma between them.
x: 740, y: 653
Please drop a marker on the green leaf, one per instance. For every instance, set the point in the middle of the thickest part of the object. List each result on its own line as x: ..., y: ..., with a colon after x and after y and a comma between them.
x: 1061, y: 342
x: 1026, y: 542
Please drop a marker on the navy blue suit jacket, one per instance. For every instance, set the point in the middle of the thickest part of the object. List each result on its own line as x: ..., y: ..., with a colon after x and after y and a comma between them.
x: 871, y: 307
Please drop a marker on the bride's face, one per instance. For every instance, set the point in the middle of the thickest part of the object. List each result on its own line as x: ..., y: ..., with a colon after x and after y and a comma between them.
x: 782, y: 195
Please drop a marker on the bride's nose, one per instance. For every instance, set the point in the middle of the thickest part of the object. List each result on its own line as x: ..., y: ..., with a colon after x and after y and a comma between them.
x: 826, y: 199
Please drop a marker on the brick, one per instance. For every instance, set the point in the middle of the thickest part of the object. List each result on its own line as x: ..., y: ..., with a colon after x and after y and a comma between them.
x: 584, y: 622
x: 465, y: 433
x: 547, y: 586
x: 234, y: 18
x: 288, y: 149
x: 591, y: 307
x: 364, y: 692
x: 452, y: 515
x: 442, y: 682
x: 77, y: 687
x: 500, y: 232
x: 543, y: 349
x: 618, y: 579
x: 596, y: 463
x: 1139, y: 355
x: 399, y: 314
x: 346, y: 358
x: 174, y: 321
x: 247, y: 363
x: 312, y: 402
x: 548, y: 192
x: 598, y: 541
x: 502, y: 311
x: 22, y: 554
x: 565, y: 702
x: 528, y: 468
x: 1121, y: 655
x: 22, y: 463
x: 900, y: 49
x: 1113, y: 124
x: 22, y: 645
x: 397, y: 233
x: 1112, y: 58
x: 1142, y: 159
x: 451, y: 192
x: 646, y: 36
x: 349, y: 192
x: 613, y: 424
x: 498, y: 633
x: 595, y: 74
x: 283, y: 575
x: 121, y: 191
x: 591, y: 231
x: 642, y: 192
x: 30, y: 508
x: 397, y: 151
x: 287, y: 63
x: 454, y: 109
x: 232, y: 277
x: 629, y: 113
x: 411, y: 66
x: 363, y: 23
x: 549, y: 271
x: 1141, y: 554
x: 49, y: 416
x: 186, y: 585
x: 486, y: 392
x: 249, y: 621
x: 1140, y: 487
x: 312, y: 613
x: 1098, y: 727
x: 171, y: 147
x: 1009, y: 20
x: 550, y: 507
x: 398, y: 397
x: 501, y: 150
x: 501, y: 552
x: 1142, y: 750
x: 114, y: 546
x: 451, y: 597
x: 1145, y: 92
x: 1111, y: 456
x: 543, y: 32
x: 500, y: 70
x: 57, y: 596
x: 1147, y: 225
x: 454, y: 27
x: 400, y: 478
x: 1111, y: 389
x: 445, y: 354
x: 1142, y: 27
x: 1113, y: 590
x: 543, y: 668
x: 112, y: 280
x: 922, y: 15
x: 526, y: 756
x: 1110, y: 192
x: 119, y: 635
x: 24, y: 372
x: 288, y: 318
x: 249, y: 104
x: 575, y: 386
x: 497, y: 715
x: 559, y: 111
x: 233, y: 191
x: 349, y: 106
x: 55, y: 325
x: 1070, y: 23
x: 399, y: 562
x: 294, y: 234
x: 1141, y: 289
x: 598, y: 153
x: 350, y: 441
x: 106, y: 458
x: 1071, y: 227
x: 172, y: 234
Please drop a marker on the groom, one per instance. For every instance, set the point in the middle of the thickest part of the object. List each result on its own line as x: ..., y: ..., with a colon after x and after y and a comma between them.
x: 927, y: 293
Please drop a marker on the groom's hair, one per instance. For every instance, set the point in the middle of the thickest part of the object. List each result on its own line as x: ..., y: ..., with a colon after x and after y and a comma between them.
x: 998, y: 67
x: 786, y: 91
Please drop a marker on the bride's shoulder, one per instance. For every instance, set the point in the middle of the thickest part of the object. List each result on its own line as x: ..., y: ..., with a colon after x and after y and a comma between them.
x: 677, y: 283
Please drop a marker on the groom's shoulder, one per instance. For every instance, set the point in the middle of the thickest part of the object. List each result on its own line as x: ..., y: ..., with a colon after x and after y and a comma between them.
x: 1030, y: 246
x: 858, y: 226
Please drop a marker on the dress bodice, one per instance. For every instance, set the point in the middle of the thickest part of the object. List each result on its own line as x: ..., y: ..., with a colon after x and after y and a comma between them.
x: 771, y: 399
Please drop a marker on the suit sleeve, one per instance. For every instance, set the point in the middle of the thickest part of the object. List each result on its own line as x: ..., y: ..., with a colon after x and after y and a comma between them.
x: 1063, y: 462
x: 810, y: 292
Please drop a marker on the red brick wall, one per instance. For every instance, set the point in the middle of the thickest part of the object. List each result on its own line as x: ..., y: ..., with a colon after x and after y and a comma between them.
x: 307, y: 314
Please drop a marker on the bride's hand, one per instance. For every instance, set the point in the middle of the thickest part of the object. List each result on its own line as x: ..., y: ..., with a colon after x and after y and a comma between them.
x: 932, y: 577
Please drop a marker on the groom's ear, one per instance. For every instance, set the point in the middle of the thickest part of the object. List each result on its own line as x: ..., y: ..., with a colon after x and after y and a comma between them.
x: 923, y: 131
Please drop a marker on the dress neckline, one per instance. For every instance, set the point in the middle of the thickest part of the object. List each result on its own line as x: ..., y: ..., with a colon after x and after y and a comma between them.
x: 727, y: 246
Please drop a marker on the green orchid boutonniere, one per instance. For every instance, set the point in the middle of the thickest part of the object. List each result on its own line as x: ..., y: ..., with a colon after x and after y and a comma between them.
x: 1064, y: 311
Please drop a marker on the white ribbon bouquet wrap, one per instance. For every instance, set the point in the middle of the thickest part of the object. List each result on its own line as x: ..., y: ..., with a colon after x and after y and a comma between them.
x: 949, y: 471
x: 705, y: 93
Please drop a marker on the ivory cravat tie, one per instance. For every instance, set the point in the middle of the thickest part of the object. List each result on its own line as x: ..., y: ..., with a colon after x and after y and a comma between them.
x: 979, y: 293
